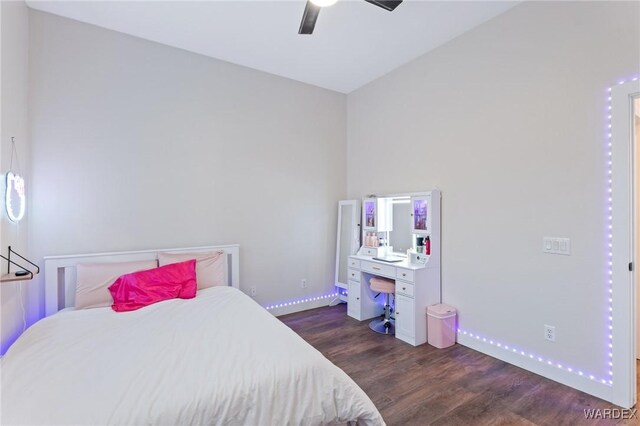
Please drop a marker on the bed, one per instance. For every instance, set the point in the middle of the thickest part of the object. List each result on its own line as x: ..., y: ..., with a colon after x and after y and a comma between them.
x: 219, y: 358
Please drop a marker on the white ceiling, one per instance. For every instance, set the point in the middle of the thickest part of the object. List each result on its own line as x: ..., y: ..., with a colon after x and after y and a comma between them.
x: 354, y: 42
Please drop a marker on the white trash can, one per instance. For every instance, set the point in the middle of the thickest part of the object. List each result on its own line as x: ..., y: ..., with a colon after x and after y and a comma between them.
x: 441, y: 325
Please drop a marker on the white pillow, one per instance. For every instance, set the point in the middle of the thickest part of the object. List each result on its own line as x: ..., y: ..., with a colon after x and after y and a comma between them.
x: 210, y: 266
x: 94, y: 279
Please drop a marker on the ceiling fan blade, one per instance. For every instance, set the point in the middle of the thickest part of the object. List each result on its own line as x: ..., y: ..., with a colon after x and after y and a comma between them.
x: 389, y: 5
x: 309, y: 17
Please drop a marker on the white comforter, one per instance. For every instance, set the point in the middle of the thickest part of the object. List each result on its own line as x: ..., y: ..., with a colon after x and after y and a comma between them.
x: 215, y: 359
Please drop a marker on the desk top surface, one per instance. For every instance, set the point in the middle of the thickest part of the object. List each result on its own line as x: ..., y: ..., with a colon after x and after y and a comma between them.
x: 403, y: 264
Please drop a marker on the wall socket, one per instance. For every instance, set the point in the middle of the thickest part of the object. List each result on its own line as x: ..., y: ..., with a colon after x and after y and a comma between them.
x: 253, y: 291
x: 550, y: 333
x: 303, y: 283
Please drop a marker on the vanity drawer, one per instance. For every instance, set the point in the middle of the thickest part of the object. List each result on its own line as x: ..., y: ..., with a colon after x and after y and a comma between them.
x: 377, y: 269
x: 354, y: 275
x: 369, y: 251
x: 404, y: 288
x: 404, y: 274
x: 354, y: 263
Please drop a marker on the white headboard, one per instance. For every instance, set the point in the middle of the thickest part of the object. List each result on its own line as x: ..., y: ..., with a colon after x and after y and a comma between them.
x: 60, y: 271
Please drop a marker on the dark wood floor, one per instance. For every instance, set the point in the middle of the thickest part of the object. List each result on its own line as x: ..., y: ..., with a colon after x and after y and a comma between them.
x: 429, y: 386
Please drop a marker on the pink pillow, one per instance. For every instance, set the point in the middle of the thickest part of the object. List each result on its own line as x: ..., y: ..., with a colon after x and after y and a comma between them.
x: 139, y: 289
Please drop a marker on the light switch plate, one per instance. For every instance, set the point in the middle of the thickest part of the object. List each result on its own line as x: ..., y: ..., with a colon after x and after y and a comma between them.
x: 554, y: 245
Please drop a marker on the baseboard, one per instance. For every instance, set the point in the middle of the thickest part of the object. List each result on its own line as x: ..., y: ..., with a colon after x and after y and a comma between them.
x: 552, y: 372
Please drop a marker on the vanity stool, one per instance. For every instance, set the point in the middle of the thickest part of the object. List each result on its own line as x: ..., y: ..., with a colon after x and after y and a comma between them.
x: 385, y: 325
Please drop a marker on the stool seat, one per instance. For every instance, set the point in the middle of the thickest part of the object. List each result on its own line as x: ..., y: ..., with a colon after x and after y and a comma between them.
x: 386, y: 325
x: 382, y: 285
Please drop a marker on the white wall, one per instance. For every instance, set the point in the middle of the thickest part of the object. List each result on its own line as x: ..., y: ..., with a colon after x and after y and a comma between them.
x: 508, y: 121
x: 138, y: 145
x: 14, y: 29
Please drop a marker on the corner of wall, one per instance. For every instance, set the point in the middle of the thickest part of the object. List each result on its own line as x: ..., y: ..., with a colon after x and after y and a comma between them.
x: 19, y: 299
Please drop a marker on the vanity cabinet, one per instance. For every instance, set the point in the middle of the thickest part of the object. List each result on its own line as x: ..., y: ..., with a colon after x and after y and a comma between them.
x: 404, y: 314
x: 353, y: 300
x: 369, y: 214
x: 376, y: 215
x: 421, y: 214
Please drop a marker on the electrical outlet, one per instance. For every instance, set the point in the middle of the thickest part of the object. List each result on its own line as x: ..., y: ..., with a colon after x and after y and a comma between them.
x: 253, y: 290
x: 550, y: 333
x: 303, y: 283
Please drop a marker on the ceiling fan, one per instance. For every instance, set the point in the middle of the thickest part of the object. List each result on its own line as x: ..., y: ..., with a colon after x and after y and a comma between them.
x: 312, y: 9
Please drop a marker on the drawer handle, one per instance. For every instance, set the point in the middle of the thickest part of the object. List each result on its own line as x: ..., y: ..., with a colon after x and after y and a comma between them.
x: 375, y: 269
x: 357, y: 298
x: 404, y: 275
x: 404, y: 288
x: 397, y: 313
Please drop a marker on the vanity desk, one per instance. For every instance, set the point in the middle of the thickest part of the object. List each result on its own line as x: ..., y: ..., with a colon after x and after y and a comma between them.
x: 417, y: 286
x: 407, y: 219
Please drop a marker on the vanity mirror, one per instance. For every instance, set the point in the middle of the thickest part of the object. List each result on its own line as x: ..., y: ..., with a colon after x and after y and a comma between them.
x: 396, y: 223
x: 389, y: 225
x: 348, y: 239
x: 400, y: 233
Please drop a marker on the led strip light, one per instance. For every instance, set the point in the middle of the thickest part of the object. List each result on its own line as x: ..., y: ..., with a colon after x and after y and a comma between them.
x: 609, y: 240
x: 297, y: 302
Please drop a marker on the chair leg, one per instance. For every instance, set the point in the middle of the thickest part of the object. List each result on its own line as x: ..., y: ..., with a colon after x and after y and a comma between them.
x: 385, y: 325
x: 386, y: 313
x: 387, y: 309
x: 392, y: 308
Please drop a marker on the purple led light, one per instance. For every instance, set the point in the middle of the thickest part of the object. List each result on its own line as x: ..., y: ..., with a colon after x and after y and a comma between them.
x: 298, y: 301
x: 529, y: 355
